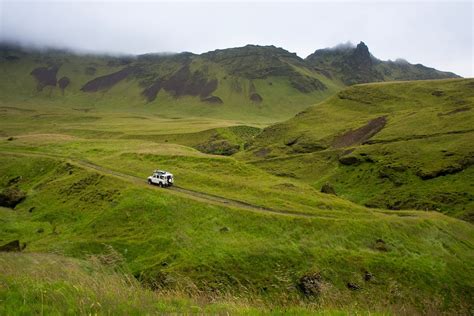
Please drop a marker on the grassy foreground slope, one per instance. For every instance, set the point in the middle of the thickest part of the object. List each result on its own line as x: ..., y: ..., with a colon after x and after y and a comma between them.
x: 374, y: 260
x: 52, y: 284
x: 397, y: 145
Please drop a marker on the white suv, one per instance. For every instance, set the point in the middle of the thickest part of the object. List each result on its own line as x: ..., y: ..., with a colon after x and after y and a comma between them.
x: 161, y: 178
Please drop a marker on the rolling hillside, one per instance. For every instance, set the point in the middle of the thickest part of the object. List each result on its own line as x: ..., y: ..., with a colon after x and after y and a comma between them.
x: 406, y: 145
x: 323, y: 253
x: 246, y: 228
x: 254, y: 84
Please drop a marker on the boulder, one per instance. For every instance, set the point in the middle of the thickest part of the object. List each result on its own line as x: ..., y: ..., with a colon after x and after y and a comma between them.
x: 311, y: 284
x: 328, y: 189
x: 11, y: 246
x: 353, y: 286
x: 10, y: 197
x: 349, y: 160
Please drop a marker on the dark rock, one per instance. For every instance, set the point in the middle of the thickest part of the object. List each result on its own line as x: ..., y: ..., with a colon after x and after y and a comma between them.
x: 40, y: 230
x: 10, y: 138
x: 328, y: 189
x: 224, y: 229
x: 349, y: 160
x: 291, y: 142
x: 10, y: 197
x: 63, y: 83
x: 380, y: 245
x: 437, y: 93
x: 183, y: 83
x: 12, y: 246
x: 31, y: 209
x: 311, y: 284
x: 14, y: 180
x: 353, y: 286
x: 368, y: 276
x: 45, y: 76
x: 255, y: 97
x: 108, y: 81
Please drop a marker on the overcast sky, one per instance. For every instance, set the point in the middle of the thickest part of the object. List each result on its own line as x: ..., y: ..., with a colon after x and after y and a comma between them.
x: 437, y: 34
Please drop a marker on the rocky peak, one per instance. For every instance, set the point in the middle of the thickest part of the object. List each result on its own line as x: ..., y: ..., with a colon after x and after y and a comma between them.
x: 361, y: 56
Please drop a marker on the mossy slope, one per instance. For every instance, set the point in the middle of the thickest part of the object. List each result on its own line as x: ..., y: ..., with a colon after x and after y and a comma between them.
x: 393, y: 145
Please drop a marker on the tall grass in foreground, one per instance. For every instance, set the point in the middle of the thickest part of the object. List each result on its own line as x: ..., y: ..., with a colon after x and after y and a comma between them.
x: 48, y: 284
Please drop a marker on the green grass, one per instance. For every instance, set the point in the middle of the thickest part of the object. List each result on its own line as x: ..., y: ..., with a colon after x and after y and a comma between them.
x: 280, y: 100
x: 424, y: 135
x: 178, y: 243
x: 203, y: 257
x: 52, y: 284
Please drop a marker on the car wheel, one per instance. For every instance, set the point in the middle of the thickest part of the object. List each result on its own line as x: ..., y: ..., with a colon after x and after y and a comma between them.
x: 149, y: 181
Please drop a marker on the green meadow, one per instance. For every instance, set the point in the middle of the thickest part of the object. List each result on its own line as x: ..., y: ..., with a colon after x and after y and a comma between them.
x: 247, y: 229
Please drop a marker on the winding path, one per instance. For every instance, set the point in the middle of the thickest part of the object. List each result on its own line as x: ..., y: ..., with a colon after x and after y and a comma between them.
x: 179, y: 191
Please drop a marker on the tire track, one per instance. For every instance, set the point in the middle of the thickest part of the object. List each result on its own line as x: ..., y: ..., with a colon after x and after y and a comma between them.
x: 179, y: 191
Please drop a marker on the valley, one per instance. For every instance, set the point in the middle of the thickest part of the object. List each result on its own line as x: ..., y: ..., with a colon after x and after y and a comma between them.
x: 296, y: 191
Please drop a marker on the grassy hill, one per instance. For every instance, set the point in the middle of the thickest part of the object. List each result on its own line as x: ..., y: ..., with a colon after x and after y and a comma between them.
x: 253, y: 84
x: 246, y: 228
x: 405, y: 145
x: 231, y: 232
x: 339, y: 254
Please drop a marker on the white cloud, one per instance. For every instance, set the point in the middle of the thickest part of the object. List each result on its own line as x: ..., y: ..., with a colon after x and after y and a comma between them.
x: 437, y: 34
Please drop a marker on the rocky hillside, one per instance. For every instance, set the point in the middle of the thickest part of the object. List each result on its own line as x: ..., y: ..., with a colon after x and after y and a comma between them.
x: 263, y: 83
x: 355, y: 64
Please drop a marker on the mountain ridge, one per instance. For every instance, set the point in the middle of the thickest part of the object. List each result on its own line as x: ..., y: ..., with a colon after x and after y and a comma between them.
x: 266, y: 82
x: 355, y: 64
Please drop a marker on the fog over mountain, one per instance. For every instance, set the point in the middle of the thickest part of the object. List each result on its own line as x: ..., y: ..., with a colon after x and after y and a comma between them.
x: 432, y: 33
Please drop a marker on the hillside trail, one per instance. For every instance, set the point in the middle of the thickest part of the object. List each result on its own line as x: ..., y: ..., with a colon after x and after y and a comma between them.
x: 176, y: 190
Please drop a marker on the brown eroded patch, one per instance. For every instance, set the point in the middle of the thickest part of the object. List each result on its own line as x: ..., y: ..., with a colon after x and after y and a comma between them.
x: 361, y: 134
x: 182, y: 83
x: 108, y: 81
x: 63, y: 83
x: 255, y: 97
x: 45, y: 76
